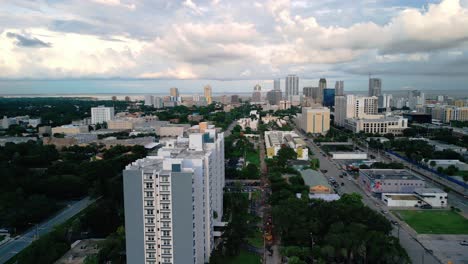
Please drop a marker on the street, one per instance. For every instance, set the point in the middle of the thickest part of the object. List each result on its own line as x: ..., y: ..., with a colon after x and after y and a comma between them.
x: 13, y: 247
x: 417, y: 253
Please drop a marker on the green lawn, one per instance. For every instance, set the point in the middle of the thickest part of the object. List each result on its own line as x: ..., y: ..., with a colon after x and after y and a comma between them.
x: 256, y: 239
x: 435, y: 221
x: 253, y: 157
x: 244, y: 257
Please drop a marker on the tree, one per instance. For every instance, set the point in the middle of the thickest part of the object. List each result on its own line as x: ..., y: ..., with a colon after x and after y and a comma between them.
x: 251, y: 171
x: 284, y: 154
x: 432, y: 163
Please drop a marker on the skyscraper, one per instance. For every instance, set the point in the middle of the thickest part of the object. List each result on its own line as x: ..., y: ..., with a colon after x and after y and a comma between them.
x: 174, y: 200
x: 416, y: 98
x: 329, y: 97
x: 257, y: 94
x: 292, y: 86
x: 149, y: 99
x: 208, y: 97
x: 322, y: 86
x: 375, y: 87
x: 277, y: 84
x: 339, y: 88
x: 174, y: 92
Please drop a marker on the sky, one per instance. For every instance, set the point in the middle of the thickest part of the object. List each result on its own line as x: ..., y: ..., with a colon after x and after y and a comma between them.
x: 93, y: 46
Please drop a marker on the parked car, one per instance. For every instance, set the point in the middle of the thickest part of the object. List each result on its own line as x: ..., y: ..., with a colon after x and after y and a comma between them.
x: 324, y: 171
x: 464, y: 243
x: 394, y: 222
x: 426, y: 206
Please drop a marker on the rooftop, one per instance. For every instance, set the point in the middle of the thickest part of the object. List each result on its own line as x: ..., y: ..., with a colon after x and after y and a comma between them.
x: 314, y: 178
x: 428, y: 190
x: 402, y: 197
x: 390, y: 174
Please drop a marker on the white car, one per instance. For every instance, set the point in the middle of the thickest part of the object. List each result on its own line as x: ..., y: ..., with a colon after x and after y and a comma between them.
x: 464, y: 243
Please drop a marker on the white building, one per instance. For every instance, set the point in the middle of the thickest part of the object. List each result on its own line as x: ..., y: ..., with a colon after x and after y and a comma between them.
x: 101, y: 114
x: 248, y: 122
x: 149, y: 100
x: 432, y: 196
x: 292, y: 86
x: 314, y: 120
x: 393, y: 125
x: 385, y: 100
x: 174, y: 200
x: 158, y: 102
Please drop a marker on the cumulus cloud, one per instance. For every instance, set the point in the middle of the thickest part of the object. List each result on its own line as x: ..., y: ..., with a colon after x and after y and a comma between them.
x: 228, y: 40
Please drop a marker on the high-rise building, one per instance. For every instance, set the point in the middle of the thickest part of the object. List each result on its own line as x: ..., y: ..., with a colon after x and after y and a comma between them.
x: 158, y: 102
x: 101, y: 114
x: 274, y: 97
x: 329, y: 97
x: 208, y: 95
x: 385, y: 100
x: 312, y: 93
x: 127, y: 99
x: 174, y: 92
x: 314, y: 120
x: 149, y: 100
x: 416, y: 98
x: 114, y: 98
x: 361, y: 106
x: 340, y: 110
x: 257, y: 94
x: 322, y: 86
x: 339, y: 88
x: 375, y: 86
x: 277, y: 84
x: 292, y: 86
x: 174, y: 200
x: 235, y: 99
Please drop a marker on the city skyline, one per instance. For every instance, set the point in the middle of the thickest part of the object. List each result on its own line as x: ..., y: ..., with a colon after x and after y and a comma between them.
x: 76, y: 43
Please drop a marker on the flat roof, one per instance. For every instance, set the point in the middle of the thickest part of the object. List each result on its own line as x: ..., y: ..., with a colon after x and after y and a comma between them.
x: 428, y: 190
x: 390, y: 174
x: 402, y: 197
x: 314, y: 178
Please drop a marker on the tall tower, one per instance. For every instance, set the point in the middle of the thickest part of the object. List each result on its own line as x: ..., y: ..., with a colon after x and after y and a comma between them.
x: 257, y: 94
x: 174, y: 92
x: 207, y: 90
x: 277, y: 85
x: 375, y: 87
x: 339, y: 88
x: 292, y: 86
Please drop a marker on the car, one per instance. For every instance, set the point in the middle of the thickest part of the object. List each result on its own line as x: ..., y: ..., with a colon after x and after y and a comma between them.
x: 324, y: 171
x: 426, y: 206
x: 464, y: 243
x: 383, y: 212
x: 342, y: 184
x: 394, y: 222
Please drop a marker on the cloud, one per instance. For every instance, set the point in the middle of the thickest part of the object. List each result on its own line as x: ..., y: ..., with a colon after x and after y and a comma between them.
x: 28, y: 41
x: 181, y: 73
x: 117, y: 3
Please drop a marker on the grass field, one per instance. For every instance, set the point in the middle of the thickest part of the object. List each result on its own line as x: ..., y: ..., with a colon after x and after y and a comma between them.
x: 253, y: 158
x: 435, y: 222
x: 256, y: 239
x: 244, y: 257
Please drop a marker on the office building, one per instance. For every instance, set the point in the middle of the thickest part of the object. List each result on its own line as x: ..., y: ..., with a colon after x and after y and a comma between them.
x: 277, y: 84
x: 416, y: 98
x: 322, y: 86
x: 174, y: 92
x: 275, y: 140
x: 70, y: 129
x: 329, y: 97
x: 274, y: 96
x: 375, y: 87
x: 385, y: 100
x: 149, y: 100
x: 257, y: 94
x: 361, y: 106
x: 208, y: 95
x: 421, y: 118
x: 101, y: 114
x: 284, y: 104
x: 235, y: 99
x: 383, y: 125
x: 158, y: 102
x: 292, y: 86
x: 339, y: 88
x: 174, y: 200
x: 378, y: 181
x: 314, y: 120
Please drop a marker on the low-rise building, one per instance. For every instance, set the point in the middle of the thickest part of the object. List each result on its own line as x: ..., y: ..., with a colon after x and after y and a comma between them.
x: 316, y: 181
x: 401, y: 200
x: 378, y: 181
x: 15, y: 140
x: 172, y: 130
x: 120, y: 124
x: 70, y: 129
x: 274, y: 140
x: 44, y: 130
x: 446, y: 163
x: 248, y: 122
x: 349, y: 155
x: 385, y: 125
x: 432, y: 196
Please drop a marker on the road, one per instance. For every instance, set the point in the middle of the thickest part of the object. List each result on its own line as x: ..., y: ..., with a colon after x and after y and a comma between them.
x: 455, y: 199
x: 13, y: 247
x: 417, y: 253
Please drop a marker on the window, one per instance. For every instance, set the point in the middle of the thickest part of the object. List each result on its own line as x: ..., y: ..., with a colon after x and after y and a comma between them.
x: 165, y: 206
x: 166, y: 242
x: 165, y: 224
x: 165, y: 197
x: 150, y: 211
x: 164, y: 178
x: 166, y: 251
x: 148, y: 176
x: 149, y: 185
x: 165, y: 215
x: 150, y: 238
x: 149, y: 194
x: 150, y: 255
x: 150, y: 220
x: 165, y: 188
x: 166, y: 233
x: 166, y: 260
x: 150, y: 246
x: 150, y: 230
x: 149, y: 203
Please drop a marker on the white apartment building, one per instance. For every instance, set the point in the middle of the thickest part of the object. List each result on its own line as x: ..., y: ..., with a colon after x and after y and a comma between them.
x: 274, y: 140
x: 292, y: 86
x: 101, y: 114
x: 174, y: 200
x: 393, y: 125
x: 149, y: 100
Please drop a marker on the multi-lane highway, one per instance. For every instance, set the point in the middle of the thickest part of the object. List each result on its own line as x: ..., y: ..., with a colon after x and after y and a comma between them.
x: 13, y: 247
